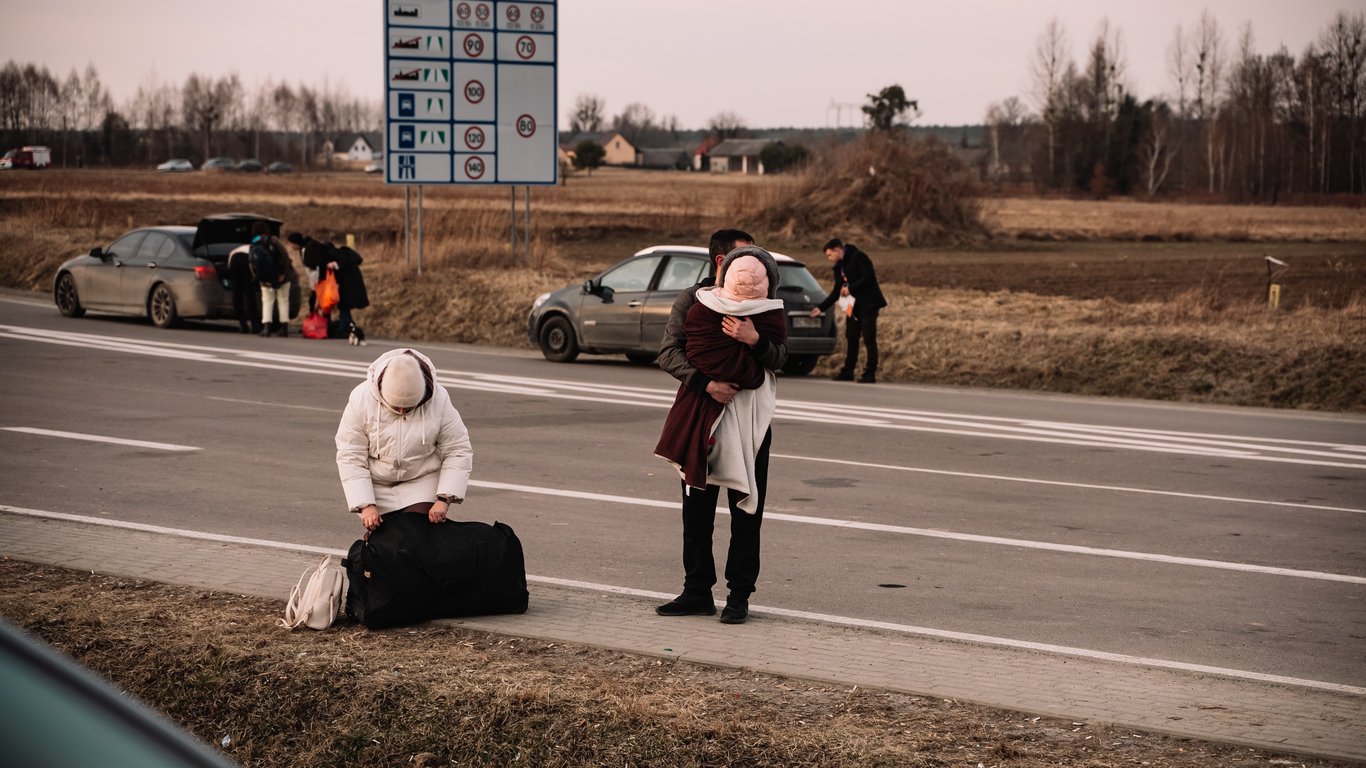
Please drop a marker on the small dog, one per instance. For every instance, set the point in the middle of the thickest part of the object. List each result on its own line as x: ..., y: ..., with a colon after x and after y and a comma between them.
x: 355, y: 335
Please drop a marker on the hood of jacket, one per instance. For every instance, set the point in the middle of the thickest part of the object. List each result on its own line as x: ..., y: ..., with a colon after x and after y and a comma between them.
x: 372, y: 375
x: 764, y: 257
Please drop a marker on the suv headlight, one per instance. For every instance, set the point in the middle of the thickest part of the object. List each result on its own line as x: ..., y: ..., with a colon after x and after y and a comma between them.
x: 539, y: 301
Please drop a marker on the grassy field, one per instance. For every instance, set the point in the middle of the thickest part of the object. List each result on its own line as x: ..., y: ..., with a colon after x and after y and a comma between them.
x: 433, y: 696
x: 1117, y: 298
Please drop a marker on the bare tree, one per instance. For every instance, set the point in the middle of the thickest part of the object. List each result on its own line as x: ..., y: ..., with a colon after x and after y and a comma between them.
x: 1048, y: 69
x: 589, y: 114
x: 635, y: 122
x: 1005, y: 122
x: 154, y: 109
x: 72, y: 94
x: 208, y: 104
x: 259, y: 109
x: 1156, y: 153
x: 726, y: 125
x: 1344, y: 51
x: 1208, y: 47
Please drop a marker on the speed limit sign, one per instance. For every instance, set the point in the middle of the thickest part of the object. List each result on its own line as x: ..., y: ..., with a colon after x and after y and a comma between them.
x: 471, y: 91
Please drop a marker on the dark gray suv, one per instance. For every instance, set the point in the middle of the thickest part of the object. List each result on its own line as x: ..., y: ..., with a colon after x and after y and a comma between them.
x: 624, y: 309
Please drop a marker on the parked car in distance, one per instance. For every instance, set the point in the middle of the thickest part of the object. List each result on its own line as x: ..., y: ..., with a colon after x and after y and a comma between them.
x: 178, y: 165
x: 279, y: 166
x: 624, y: 309
x: 219, y: 164
x: 250, y: 166
x: 165, y: 273
x: 375, y: 167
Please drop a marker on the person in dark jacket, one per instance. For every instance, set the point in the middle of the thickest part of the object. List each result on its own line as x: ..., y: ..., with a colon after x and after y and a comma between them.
x: 345, y: 265
x: 274, y: 272
x: 699, y: 504
x: 855, y: 277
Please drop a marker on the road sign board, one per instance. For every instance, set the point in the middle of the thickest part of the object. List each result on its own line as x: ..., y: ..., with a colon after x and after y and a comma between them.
x: 470, y: 91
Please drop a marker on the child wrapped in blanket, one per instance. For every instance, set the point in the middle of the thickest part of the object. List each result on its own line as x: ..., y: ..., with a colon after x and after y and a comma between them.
x: 711, y: 443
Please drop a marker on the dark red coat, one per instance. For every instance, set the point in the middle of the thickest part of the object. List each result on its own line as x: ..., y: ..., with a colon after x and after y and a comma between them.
x: 687, y: 430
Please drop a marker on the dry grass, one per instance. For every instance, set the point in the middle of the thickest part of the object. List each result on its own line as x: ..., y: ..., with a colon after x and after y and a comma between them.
x: 881, y: 189
x: 1053, y: 219
x: 1167, y: 320
x: 1191, y: 349
x: 430, y: 695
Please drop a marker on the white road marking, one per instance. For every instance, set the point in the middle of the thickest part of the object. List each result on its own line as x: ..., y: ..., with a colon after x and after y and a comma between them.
x: 658, y: 398
x: 848, y: 621
x: 936, y: 534
x: 1321, y: 454
x: 272, y: 405
x: 101, y: 439
x: 1066, y: 484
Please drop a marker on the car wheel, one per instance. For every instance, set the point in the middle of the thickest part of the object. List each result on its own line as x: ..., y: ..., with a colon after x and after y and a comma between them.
x: 161, y: 307
x: 641, y: 358
x: 800, y: 365
x: 68, y: 301
x: 557, y: 340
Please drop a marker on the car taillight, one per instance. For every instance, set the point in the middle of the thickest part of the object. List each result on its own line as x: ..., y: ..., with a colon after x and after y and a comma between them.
x: 206, y: 273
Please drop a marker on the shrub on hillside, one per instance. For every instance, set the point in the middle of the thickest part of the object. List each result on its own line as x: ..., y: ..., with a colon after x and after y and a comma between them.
x: 886, y: 188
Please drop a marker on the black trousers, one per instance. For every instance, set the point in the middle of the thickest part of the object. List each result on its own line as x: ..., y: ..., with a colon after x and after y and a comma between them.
x: 861, y: 325
x: 246, y: 303
x: 699, y: 519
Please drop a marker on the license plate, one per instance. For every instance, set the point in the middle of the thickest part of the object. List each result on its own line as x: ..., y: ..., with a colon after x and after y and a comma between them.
x: 806, y: 322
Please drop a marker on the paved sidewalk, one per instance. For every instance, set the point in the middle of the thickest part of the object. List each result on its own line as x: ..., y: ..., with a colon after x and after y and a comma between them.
x: 1293, y: 719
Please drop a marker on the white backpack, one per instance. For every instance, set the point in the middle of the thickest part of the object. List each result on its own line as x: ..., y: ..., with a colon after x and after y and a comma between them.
x: 316, y: 601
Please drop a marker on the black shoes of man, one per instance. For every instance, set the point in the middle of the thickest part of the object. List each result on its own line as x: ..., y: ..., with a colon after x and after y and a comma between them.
x: 735, y: 612
x: 867, y: 378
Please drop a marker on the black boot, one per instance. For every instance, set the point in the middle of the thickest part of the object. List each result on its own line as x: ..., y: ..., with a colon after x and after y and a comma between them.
x: 688, y: 605
x: 736, y: 610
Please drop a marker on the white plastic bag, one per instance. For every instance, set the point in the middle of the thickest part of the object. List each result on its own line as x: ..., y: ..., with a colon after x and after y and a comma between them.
x: 846, y: 305
x: 316, y: 601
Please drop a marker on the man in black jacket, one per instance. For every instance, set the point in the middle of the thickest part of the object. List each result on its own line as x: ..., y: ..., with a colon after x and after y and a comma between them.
x: 699, y: 506
x: 854, y: 276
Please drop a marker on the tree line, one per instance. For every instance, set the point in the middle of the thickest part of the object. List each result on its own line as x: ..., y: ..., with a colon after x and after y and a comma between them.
x: 200, y: 118
x: 1237, y: 124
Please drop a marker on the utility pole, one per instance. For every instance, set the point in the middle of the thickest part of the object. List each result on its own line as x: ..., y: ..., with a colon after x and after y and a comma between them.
x: 839, y: 107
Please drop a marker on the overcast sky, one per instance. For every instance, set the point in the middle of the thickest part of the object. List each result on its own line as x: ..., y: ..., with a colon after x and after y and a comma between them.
x: 775, y: 63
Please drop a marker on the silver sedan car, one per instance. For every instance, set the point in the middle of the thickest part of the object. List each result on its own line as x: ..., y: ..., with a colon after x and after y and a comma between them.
x: 624, y: 309
x: 164, y: 273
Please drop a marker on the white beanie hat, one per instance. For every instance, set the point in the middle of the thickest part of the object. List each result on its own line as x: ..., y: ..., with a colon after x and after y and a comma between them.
x: 402, y: 384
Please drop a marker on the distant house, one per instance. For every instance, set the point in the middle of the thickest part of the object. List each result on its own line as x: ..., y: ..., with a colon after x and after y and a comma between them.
x: 738, y: 156
x: 701, y: 160
x: 675, y: 158
x: 618, y: 150
x: 353, y: 148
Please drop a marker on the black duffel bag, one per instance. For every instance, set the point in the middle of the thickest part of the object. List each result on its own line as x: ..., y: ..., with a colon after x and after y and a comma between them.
x: 410, y: 570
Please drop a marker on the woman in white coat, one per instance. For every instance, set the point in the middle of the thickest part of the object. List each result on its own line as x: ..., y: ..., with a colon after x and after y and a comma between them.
x: 401, y: 444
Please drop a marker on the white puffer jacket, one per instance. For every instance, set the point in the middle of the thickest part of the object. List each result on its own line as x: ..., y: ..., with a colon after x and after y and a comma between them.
x: 393, y: 460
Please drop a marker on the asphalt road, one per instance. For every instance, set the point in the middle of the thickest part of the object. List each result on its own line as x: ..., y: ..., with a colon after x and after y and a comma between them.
x: 1226, y: 537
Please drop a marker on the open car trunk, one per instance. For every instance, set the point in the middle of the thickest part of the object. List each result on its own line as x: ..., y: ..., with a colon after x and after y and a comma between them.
x: 217, y: 235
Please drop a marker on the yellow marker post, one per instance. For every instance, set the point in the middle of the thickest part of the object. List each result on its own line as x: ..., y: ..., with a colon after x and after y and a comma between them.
x: 350, y: 240
x: 1273, y: 296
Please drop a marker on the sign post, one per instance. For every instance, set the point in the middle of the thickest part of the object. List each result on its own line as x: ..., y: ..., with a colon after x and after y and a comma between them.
x: 470, y: 92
